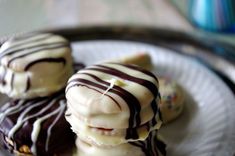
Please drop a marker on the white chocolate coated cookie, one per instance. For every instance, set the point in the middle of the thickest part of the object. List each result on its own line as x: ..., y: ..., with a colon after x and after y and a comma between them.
x: 172, y: 99
x: 113, y: 96
x: 152, y: 146
x: 34, y: 65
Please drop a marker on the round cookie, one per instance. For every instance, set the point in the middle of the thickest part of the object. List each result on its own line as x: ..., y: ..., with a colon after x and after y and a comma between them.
x: 112, y: 103
x: 152, y: 146
x: 34, y: 65
x: 172, y: 99
x: 36, y: 127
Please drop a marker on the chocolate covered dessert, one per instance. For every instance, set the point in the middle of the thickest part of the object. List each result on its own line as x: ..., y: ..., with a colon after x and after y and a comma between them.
x: 37, y: 126
x: 34, y: 65
x: 113, y: 105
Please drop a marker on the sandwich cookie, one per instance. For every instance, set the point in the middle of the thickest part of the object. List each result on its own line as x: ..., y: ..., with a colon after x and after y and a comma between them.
x: 113, y: 103
x: 172, y: 99
x: 37, y: 126
x: 34, y: 65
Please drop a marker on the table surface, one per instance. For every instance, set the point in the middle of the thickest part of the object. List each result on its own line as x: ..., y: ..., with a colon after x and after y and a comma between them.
x: 22, y: 16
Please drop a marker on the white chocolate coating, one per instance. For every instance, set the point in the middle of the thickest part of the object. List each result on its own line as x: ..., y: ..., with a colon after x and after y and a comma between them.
x: 112, y: 96
x: 139, y: 148
x: 141, y: 59
x: 106, y: 137
x: 172, y: 99
x: 34, y: 65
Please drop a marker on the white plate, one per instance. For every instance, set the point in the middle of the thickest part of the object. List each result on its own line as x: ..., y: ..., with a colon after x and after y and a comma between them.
x: 207, y: 126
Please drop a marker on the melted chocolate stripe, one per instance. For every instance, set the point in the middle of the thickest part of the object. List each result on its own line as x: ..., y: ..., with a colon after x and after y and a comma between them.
x: 54, y: 60
x: 146, y: 83
x: 131, y: 132
x: 2, y: 77
x: 152, y: 88
x: 160, y: 114
x: 132, y: 102
x: 78, y: 66
x: 41, y: 46
x: 155, y: 111
x: 142, y: 146
x: 28, y: 84
x: 23, y: 55
x: 136, y: 143
x: 127, y: 97
x: 28, y: 40
x: 138, y: 69
x: 161, y: 146
x: 84, y: 82
x: 122, y: 75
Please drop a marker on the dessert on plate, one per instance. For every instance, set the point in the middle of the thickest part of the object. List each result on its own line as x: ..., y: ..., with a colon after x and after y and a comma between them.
x: 113, y: 105
x: 172, y: 99
x: 36, y: 126
x: 34, y: 70
x: 34, y: 65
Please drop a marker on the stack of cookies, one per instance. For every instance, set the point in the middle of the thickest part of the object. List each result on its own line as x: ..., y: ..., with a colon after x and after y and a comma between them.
x: 34, y: 70
x: 113, y: 109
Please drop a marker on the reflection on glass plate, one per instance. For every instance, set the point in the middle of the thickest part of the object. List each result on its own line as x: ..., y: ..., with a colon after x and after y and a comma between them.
x: 207, y: 125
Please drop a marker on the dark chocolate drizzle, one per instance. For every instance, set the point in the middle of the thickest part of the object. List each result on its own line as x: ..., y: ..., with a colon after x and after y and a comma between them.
x: 152, y: 146
x: 26, y: 39
x: 34, y: 48
x: 130, y: 99
x: 21, y: 49
x: 51, y: 60
x: 26, y: 50
x: 138, y: 68
x: 28, y: 84
x: 152, y: 87
x: 38, y: 50
x: 161, y: 146
x: 2, y: 77
x: 78, y: 66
